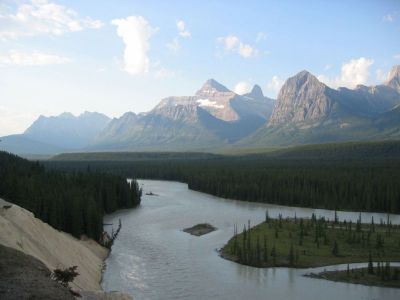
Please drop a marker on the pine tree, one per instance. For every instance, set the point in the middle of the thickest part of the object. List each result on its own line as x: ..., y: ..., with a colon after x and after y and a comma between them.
x: 335, y: 249
x: 370, y: 265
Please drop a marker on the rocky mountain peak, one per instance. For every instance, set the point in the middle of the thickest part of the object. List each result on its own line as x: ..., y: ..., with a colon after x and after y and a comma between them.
x: 302, y: 98
x: 394, y: 78
x: 211, y: 87
x: 256, y: 92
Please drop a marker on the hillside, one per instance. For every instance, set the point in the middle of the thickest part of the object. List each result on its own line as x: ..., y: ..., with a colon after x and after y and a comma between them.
x: 20, y: 230
x: 24, y: 277
x: 210, y: 119
x: 309, y: 112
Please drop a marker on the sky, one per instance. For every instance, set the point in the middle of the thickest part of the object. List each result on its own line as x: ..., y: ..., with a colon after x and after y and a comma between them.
x: 119, y: 56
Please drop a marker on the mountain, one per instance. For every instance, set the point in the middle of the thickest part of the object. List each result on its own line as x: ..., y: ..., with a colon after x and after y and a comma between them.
x: 22, y: 145
x: 394, y: 78
x: 67, y: 131
x: 302, y: 98
x: 213, y: 117
x: 307, y: 111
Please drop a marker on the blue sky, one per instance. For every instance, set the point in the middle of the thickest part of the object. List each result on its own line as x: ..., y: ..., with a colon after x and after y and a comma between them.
x: 118, y: 56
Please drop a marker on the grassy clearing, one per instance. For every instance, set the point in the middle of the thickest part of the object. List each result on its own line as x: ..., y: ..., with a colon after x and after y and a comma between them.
x: 311, y: 243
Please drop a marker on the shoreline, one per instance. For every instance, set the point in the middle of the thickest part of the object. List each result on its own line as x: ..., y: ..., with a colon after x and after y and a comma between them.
x: 357, y: 276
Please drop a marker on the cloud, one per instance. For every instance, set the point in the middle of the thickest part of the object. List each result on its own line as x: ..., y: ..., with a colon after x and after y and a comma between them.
x: 183, y: 32
x: 246, y: 50
x: 32, y: 59
x: 208, y: 103
x: 275, y: 84
x: 135, y: 32
x: 232, y: 43
x: 42, y: 17
x: 396, y: 56
x: 261, y: 36
x: 353, y: 73
x: 388, y: 18
x: 242, y: 87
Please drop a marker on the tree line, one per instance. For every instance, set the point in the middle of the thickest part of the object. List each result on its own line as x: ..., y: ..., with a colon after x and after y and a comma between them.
x: 358, y: 185
x: 74, y: 202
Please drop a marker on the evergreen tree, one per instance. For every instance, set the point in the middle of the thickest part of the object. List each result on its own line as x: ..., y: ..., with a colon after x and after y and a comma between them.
x: 335, y: 249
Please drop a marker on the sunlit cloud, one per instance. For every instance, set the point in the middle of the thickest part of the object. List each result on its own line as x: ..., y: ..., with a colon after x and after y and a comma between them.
x: 353, y: 73
x: 39, y: 17
x: 32, y: 59
x: 135, y: 32
x: 232, y: 43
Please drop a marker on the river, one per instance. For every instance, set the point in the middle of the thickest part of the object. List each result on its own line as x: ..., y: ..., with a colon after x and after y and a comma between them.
x: 154, y: 259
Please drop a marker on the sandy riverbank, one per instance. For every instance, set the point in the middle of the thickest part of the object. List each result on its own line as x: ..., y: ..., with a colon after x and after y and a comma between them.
x: 20, y: 230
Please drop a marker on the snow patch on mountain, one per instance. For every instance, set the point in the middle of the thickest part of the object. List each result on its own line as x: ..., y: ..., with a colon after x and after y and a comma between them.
x: 208, y: 103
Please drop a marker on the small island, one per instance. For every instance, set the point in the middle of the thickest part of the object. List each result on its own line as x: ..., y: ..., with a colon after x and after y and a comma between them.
x: 377, y: 275
x: 200, y: 229
x: 151, y: 194
x: 313, y: 242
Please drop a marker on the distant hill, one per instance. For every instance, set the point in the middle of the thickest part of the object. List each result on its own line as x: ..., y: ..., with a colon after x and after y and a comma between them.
x: 66, y: 130
x: 329, y: 151
x: 21, y: 144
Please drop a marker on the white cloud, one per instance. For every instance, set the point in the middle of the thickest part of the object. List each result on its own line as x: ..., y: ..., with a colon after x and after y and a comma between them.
x: 135, y: 32
x: 234, y: 44
x: 261, y: 36
x: 388, y: 18
x: 175, y: 45
x: 32, y: 59
x: 246, y: 50
x: 396, y: 56
x: 208, y: 103
x: 353, y: 73
x: 242, y: 87
x: 43, y: 17
x: 328, y: 67
x: 275, y: 84
x: 182, y: 30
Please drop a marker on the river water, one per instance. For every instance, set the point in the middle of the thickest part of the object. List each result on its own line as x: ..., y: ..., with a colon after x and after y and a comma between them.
x: 154, y: 259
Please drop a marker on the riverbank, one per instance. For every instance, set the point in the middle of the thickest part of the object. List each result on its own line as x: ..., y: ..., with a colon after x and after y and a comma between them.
x: 20, y: 230
x: 304, y: 243
x: 385, y: 277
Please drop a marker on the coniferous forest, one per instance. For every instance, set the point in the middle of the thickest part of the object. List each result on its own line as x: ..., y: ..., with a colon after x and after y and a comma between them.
x: 353, y: 184
x: 74, y: 202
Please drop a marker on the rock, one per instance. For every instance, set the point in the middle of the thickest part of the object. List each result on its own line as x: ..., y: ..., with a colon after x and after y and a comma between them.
x: 303, y: 97
x: 394, y: 78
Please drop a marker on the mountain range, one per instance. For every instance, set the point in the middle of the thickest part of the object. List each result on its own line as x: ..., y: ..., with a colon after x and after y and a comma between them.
x: 306, y: 112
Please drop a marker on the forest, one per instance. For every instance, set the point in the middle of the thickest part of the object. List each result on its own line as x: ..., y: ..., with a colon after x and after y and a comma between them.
x: 357, y: 185
x: 313, y: 242
x: 74, y: 202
